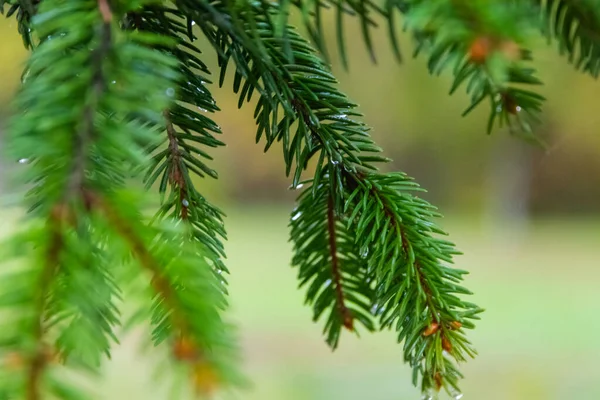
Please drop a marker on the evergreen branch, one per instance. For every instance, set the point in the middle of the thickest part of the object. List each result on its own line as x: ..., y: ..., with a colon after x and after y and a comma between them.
x: 311, y: 11
x: 188, y: 297
x: 25, y: 10
x: 85, y: 134
x: 37, y: 363
x: 575, y: 25
x: 186, y: 131
x: 481, y: 42
x: 82, y: 126
x: 321, y: 113
x: 416, y: 291
x: 330, y: 265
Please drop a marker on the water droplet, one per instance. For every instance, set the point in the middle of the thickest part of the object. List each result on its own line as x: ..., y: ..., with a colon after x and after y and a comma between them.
x: 328, y: 283
x: 170, y: 92
x: 297, y: 215
x: 457, y: 396
x: 499, y: 109
x: 335, y: 162
x: 343, y: 116
x: 113, y: 82
x: 185, y: 203
x: 202, y: 109
x: 365, y: 252
x: 23, y: 161
x: 219, y: 271
x: 193, y: 23
x: 518, y: 108
x: 374, y: 308
x: 430, y: 395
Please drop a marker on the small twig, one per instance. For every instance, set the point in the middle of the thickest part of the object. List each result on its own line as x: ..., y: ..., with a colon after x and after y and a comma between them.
x: 176, y: 178
x: 160, y: 284
x: 335, y: 268
x: 104, y: 8
x: 39, y: 359
x: 86, y: 131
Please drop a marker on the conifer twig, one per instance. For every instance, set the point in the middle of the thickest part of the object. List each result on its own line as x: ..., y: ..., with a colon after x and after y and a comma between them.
x: 335, y: 269
x: 177, y: 175
x: 38, y: 362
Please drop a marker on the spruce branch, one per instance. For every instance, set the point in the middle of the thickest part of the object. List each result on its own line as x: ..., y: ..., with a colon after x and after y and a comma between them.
x: 330, y: 265
x: 575, y: 25
x: 188, y: 132
x: 310, y: 101
x: 416, y: 290
x: 38, y: 361
x: 25, y: 10
x: 188, y: 298
x: 311, y: 11
x: 113, y: 89
x: 482, y: 42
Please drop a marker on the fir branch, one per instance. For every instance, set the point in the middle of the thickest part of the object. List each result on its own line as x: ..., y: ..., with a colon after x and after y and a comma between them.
x: 310, y: 101
x: 187, y: 296
x: 416, y: 290
x: 176, y: 177
x: 482, y: 43
x: 330, y: 265
x: 187, y: 133
x: 311, y: 12
x: 575, y: 25
x: 83, y: 138
x: 81, y: 125
x: 38, y: 361
x: 25, y: 10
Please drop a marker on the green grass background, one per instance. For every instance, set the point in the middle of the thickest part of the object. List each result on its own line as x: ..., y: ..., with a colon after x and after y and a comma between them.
x: 538, y: 338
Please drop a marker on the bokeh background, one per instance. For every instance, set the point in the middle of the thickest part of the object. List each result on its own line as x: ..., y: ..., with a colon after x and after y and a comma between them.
x: 527, y: 219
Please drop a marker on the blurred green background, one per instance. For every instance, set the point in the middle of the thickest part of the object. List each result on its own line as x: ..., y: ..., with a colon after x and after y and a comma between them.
x: 527, y: 219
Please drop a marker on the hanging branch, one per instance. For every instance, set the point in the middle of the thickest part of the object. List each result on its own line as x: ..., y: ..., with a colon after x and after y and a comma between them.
x: 482, y: 42
x: 345, y: 169
x: 575, y: 25
x: 330, y: 265
x: 114, y: 89
x: 188, y: 133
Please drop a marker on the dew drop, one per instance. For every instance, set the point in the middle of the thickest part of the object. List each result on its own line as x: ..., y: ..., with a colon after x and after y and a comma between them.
x: 23, y: 161
x: 220, y: 271
x: 518, y: 108
x: 170, y: 92
x: 113, y: 82
x: 328, y: 283
x: 499, y: 109
x: 335, y: 162
x: 193, y: 23
x: 457, y: 396
x: 343, y: 116
x: 185, y: 203
x: 297, y: 215
x: 365, y: 252
x: 202, y: 109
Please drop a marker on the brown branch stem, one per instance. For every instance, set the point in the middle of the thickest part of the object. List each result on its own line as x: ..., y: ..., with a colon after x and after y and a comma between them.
x: 345, y: 313
x: 176, y: 176
x: 39, y: 359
